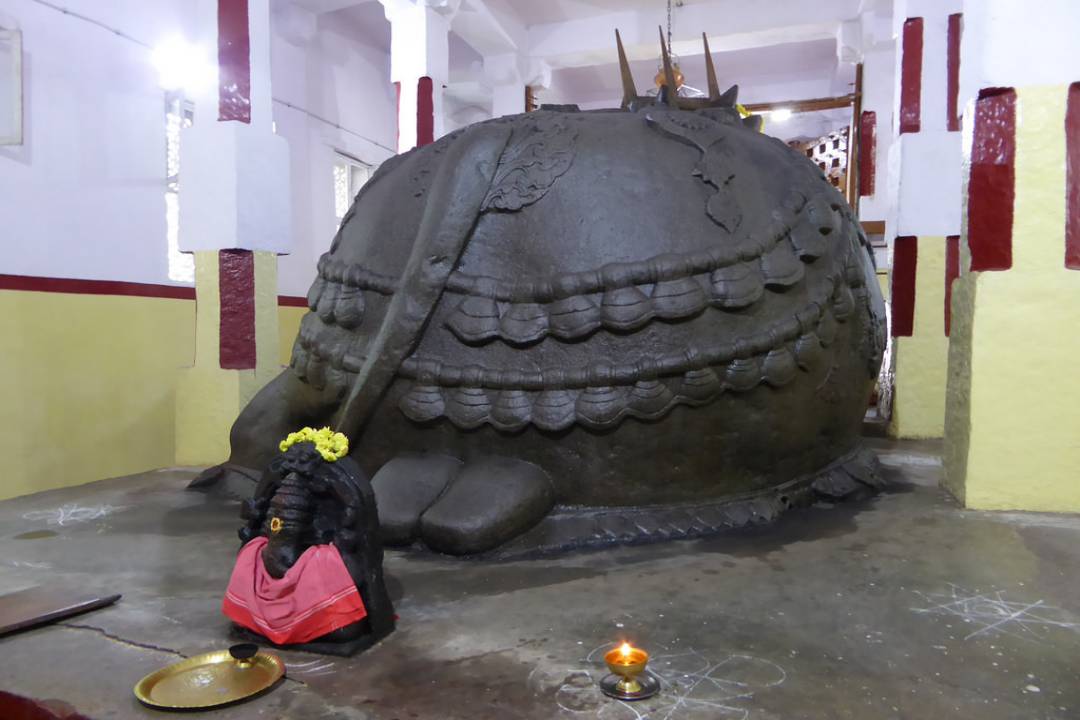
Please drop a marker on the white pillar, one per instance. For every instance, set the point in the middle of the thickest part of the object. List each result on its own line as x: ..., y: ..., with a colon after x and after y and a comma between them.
x: 927, y: 177
x: 924, y: 178
x: 235, y: 217
x: 419, y: 48
x: 509, y: 74
x: 508, y: 99
x: 234, y: 187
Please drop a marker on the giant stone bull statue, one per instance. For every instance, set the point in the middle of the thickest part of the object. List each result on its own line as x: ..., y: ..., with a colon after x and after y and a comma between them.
x: 565, y: 328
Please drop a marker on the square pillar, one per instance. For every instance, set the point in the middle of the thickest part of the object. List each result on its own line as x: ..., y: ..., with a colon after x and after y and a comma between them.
x: 235, y: 218
x: 925, y: 180
x: 1011, y: 427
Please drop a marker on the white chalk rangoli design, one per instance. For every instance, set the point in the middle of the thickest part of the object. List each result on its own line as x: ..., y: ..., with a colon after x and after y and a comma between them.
x: 72, y: 514
x: 991, y: 613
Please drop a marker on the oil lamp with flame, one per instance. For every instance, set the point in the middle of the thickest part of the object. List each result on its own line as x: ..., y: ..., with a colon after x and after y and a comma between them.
x: 628, y: 679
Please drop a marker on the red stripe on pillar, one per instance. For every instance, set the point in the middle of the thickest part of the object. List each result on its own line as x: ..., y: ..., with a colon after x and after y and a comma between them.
x: 952, y: 82
x: 236, y: 285
x: 911, y: 76
x: 425, y: 112
x: 905, y: 257
x: 234, y: 61
x: 1072, y: 179
x: 952, y: 271
x: 867, y: 150
x: 992, y: 181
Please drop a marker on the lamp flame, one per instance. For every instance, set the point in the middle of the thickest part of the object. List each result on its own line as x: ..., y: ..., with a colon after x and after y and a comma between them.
x: 625, y: 649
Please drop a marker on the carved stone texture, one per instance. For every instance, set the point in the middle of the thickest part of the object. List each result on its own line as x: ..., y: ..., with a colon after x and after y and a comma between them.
x: 645, y: 307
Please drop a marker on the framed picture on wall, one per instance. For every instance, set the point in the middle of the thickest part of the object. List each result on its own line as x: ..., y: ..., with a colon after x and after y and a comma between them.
x: 11, y: 92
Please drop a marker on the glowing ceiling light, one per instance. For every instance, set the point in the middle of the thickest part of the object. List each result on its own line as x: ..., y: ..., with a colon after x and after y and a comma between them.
x: 182, y: 65
x: 780, y: 115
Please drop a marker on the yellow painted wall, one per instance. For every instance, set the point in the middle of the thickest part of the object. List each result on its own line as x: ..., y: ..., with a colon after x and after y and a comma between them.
x: 922, y: 359
x: 958, y: 388
x: 88, y: 386
x: 288, y: 326
x: 209, y: 397
x: 1016, y: 443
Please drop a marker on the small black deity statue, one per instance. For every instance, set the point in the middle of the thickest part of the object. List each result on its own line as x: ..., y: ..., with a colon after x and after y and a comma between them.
x: 309, y: 574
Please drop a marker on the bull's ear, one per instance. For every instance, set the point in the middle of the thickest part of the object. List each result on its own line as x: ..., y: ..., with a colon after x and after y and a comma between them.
x: 730, y: 96
x: 753, y: 122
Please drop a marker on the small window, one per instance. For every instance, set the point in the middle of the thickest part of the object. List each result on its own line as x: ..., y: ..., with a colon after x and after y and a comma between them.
x: 350, y: 175
x: 11, y: 120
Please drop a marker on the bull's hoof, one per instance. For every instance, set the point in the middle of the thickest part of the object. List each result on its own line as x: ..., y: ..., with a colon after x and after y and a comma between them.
x: 491, y: 501
x: 407, y: 486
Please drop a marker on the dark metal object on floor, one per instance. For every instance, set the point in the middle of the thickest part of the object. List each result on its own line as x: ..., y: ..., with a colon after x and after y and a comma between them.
x: 44, y: 604
x: 211, y: 680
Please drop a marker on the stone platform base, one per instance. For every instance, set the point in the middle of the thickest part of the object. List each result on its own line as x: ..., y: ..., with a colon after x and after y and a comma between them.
x: 857, y: 474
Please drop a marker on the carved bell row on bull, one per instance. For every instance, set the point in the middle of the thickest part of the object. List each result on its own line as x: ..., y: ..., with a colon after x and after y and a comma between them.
x: 599, y: 407
x: 337, y: 302
x: 479, y: 319
x: 320, y: 355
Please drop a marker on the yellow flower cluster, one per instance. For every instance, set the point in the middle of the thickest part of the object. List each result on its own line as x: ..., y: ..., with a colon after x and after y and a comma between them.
x: 331, y: 445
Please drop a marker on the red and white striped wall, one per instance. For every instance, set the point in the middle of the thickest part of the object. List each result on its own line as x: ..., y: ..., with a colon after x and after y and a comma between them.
x: 419, y: 67
x: 925, y: 177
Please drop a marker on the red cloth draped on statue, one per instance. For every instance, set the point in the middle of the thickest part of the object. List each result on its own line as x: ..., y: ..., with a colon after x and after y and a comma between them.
x: 316, y: 596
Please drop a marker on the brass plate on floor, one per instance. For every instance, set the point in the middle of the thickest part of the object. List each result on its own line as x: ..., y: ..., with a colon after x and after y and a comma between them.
x: 212, y: 679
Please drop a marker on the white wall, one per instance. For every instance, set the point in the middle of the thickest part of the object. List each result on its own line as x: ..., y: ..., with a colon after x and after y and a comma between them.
x: 336, y: 79
x: 925, y: 166
x: 1006, y: 44
x: 83, y: 196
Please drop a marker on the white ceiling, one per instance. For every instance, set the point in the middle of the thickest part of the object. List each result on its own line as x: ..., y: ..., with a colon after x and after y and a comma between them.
x: 541, y: 12
x: 364, y: 21
x: 774, y: 50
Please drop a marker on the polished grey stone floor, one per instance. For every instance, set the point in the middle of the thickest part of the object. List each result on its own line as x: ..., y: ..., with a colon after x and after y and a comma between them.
x: 902, y: 606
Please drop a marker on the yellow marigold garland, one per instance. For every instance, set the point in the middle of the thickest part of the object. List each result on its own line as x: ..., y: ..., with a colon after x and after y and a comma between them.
x: 331, y: 445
